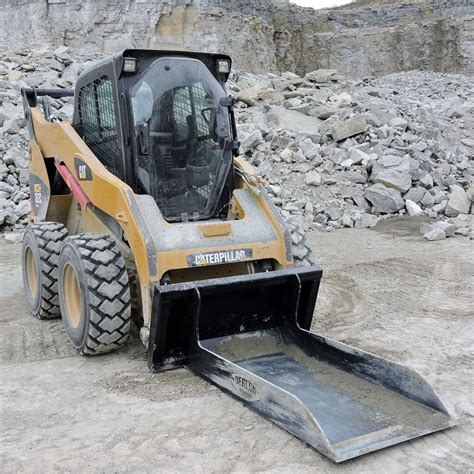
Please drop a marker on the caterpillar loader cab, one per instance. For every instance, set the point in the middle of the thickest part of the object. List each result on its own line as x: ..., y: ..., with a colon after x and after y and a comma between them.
x: 175, y: 128
x: 143, y: 205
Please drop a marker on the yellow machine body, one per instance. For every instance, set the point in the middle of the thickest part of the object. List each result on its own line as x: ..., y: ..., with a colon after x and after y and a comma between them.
x: 109, y: 196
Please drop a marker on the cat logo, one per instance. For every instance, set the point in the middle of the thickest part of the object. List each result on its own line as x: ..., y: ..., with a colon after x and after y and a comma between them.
x: 37, y: 197
x: 82, y: 169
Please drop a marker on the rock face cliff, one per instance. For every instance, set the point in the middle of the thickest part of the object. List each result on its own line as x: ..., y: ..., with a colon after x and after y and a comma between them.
x: 260, y: 34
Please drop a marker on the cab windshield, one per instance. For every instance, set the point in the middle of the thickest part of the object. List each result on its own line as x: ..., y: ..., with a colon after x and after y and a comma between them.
x: 177, y: 112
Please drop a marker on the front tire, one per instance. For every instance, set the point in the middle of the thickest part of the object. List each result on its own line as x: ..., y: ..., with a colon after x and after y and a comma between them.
x: 94, y: 293
x: 40, y: 258
x: 302, y: 254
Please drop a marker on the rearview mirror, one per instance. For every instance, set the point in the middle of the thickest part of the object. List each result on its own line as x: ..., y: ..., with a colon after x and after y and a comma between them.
x: 143, y: 132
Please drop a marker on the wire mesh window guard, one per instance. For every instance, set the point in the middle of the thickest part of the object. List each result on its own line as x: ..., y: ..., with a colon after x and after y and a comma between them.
x: 97, y: 121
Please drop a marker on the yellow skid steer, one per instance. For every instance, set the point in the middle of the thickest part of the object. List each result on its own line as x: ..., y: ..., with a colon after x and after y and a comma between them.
x: 142, y: 207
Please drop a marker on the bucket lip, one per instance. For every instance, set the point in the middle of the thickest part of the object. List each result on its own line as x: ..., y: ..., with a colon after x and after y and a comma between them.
x: 305, y: 273
x: 339, y: 454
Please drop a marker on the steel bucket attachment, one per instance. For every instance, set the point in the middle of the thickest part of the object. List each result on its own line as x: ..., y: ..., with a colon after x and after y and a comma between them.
x: 248, y: 335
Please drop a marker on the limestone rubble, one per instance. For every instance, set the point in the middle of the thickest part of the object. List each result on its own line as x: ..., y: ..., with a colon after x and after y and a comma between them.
x: 394, y: 145
x: 335, y: 152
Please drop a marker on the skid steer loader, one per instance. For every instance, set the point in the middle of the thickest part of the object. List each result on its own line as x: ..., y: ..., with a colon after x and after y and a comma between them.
x: 142, y: 202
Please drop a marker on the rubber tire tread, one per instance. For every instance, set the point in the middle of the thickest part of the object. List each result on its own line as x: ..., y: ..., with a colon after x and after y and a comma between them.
x: 309, y: 258
x: 50, y: 237
x: 105, y: 277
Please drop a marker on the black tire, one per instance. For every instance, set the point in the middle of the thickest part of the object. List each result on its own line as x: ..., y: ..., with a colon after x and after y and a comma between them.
x: 39, y: 260
x: 94, y: 293
x: 308, y: 259
x: 302, y: 254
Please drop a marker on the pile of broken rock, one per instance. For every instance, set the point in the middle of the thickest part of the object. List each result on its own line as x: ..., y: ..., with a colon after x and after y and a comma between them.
x: 340, y: 153
x: 334, y: 152
x: 48, y: 68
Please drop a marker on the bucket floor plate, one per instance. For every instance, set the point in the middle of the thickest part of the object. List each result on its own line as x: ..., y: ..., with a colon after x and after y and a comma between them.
x: 354, y: 414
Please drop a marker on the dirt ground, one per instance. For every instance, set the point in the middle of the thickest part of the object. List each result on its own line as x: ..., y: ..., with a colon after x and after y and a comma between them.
x: 385, y: 290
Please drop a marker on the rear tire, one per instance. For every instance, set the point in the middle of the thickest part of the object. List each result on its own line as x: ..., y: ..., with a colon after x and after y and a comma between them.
x: 94, y: 293
x: 40, y: 258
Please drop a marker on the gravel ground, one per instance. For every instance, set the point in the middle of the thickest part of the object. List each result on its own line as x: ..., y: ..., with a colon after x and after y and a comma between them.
x: 386, y: 290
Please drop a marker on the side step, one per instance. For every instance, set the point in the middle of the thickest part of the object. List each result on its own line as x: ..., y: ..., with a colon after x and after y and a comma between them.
x: 248, y: 335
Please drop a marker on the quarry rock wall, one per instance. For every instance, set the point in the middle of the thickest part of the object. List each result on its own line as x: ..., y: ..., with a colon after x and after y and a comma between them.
x: 261, y: 35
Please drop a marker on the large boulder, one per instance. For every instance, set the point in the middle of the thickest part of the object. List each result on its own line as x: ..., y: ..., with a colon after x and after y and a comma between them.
x: 323, y: 112
x: 309, y: 148
x: 313, y: 178
x: 71, y: 73
x: 392, y: 171
x: 358, y: 156
x: 365, y: 221
x: 458, y: 203
x: 384, y: 200
x: 395, y: 178
x: 322, y: 75
x: 413, y: 208
x: 448, y: 228
x: 251, y: 94
x: 251, y: 141
x: 438, y: 231
x: 434, y: 234
x: 348, y: 128
x: 294, y: 120
x: 415, y: 194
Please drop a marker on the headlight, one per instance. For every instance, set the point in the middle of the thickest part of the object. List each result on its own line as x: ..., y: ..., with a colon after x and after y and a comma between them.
x: 129, y: 65
x: 223, y: 66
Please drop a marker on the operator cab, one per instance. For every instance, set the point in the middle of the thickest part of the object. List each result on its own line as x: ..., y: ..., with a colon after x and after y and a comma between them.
x: 180, y: 126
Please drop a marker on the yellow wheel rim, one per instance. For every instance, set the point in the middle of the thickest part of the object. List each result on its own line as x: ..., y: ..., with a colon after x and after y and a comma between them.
x: 31, y: 272
x: 72, y: 295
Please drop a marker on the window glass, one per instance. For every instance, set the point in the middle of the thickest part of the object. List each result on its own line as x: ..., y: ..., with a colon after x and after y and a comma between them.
x: 97, y: 121
x: 188, y: 130
x: 200, y: 98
